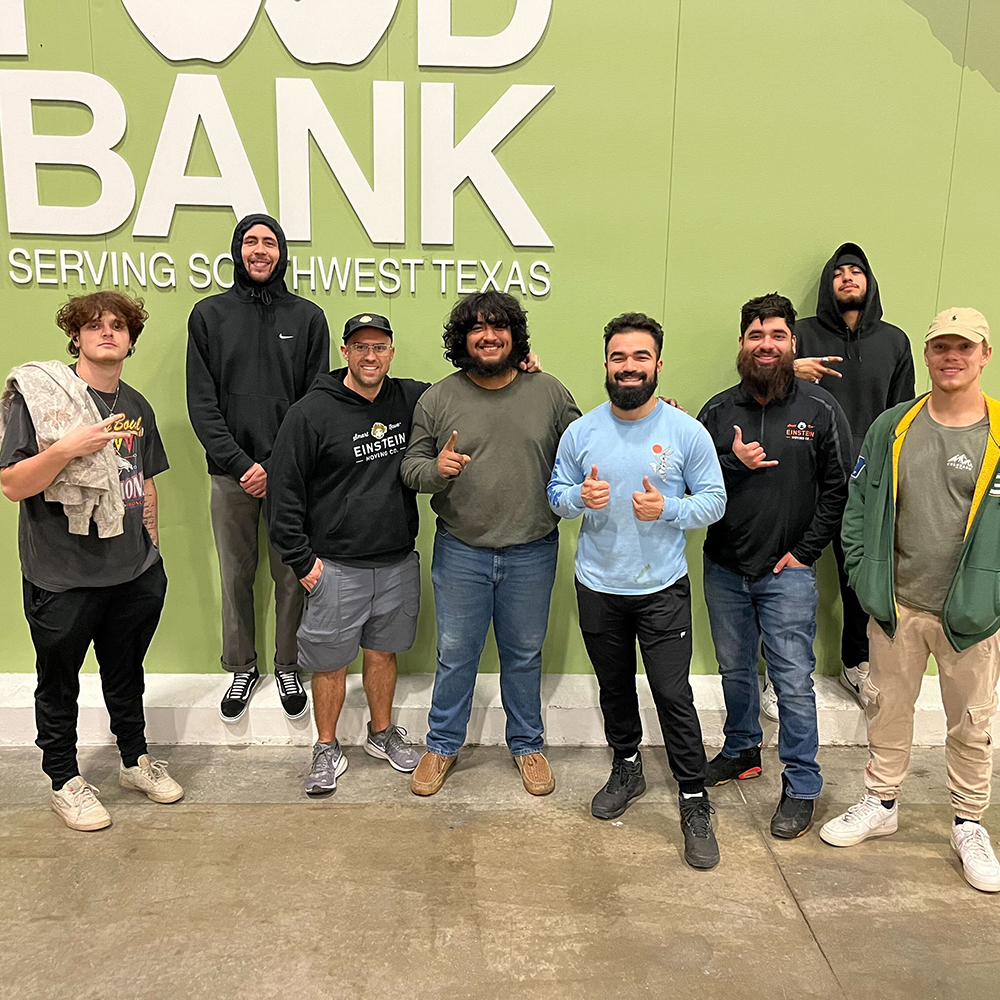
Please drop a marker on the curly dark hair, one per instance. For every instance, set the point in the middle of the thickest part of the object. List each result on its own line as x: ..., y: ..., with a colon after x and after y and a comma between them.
x: 499, y: 310
x: 634, y: 321
x: 767, y: 307
x: 77, y: 312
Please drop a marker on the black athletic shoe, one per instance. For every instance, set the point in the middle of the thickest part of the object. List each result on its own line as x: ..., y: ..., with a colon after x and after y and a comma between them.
x: 701, y: 849
x: 793, y: 817
x: 294, y: 702
x: 626, y: 783
x: 237, y: 697
x: 722, y: 768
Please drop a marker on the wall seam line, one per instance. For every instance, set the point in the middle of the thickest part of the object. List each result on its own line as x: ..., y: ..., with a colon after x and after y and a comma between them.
x: 954, y: 156
x: 670, y: 168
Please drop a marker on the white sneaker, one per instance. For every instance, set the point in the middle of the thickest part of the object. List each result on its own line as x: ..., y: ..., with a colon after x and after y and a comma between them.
x: 869, y: 818
x: 852, y: 679
x: 769, y: 701
x: 150, y: 777
x: 979, y: 863
x: 78, y: 806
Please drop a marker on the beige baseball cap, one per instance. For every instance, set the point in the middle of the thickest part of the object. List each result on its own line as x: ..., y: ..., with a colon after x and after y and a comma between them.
x: 968, y: 323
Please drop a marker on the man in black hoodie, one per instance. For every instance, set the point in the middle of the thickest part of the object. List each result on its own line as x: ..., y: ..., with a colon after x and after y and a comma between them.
x: 342, y: 520
x: 252, y: 352
x: 866, y: 365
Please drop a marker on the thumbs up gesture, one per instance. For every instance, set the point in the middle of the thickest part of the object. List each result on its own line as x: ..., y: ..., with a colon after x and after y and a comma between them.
x: 752, y: 455
x: 595, y: 492
x: 451, y: 462
x: 647, y: 504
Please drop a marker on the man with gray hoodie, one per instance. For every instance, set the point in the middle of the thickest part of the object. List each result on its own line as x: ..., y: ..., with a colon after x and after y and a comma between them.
x: 866, y: 365
x: 253, y: 351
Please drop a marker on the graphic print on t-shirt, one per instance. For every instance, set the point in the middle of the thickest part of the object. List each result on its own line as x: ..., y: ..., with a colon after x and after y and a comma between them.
x: 126, y: 447
x: 662, y: 464
x: 961, y: 461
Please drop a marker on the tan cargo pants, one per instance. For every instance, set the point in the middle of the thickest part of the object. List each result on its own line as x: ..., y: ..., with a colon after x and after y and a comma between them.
x: 968, y: 690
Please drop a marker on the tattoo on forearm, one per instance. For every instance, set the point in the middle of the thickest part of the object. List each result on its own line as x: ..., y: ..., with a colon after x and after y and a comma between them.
x: 149, y: 518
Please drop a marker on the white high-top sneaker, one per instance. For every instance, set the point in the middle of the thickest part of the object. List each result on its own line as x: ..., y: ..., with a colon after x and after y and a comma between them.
x: 769, y: 701
x: 853, y: 679
x: 150, y: 777
x: 78, y: 806
x: 979, y: 863
x: 869, y: 818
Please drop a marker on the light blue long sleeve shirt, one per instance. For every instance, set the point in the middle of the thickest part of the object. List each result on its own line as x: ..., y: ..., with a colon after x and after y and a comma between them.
x: 617, y: 553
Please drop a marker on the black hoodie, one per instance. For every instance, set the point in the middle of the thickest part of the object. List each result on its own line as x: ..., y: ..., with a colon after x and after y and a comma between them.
x: 878, y: 362
x: 333, y: 486
x: 252, y: 352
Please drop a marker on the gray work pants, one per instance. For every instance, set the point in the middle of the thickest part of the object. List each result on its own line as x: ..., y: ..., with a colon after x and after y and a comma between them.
x: 235, y: 521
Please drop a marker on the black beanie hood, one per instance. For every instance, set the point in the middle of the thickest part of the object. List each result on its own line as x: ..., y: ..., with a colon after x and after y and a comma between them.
x: 275, y: 284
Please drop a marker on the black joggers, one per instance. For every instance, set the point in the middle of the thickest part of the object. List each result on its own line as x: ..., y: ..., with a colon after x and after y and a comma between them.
x: 854, y: 637
x: 661, y: 622
x: 120, y: 621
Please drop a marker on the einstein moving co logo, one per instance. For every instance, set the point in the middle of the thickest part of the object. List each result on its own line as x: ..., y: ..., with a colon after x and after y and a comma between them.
x: 342, y: 32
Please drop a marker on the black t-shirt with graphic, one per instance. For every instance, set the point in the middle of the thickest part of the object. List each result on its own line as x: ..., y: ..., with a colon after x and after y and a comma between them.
x: 51, y: 557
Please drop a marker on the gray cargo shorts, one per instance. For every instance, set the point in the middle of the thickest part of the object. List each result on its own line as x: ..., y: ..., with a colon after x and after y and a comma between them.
x: 351, y: 608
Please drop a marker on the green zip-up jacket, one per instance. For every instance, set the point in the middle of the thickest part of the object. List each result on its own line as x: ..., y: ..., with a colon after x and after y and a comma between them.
x: 971, y: 611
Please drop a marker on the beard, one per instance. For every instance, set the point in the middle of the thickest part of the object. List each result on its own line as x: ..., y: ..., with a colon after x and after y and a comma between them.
x: 766, y: 382
x: 487, y: 369
x: 630, y: 397
x: 851, y: 303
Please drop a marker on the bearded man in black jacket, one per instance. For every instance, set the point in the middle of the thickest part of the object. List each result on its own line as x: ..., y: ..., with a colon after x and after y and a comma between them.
x: 252, y: 352
x: 784, y: 448
x: 867, y: 366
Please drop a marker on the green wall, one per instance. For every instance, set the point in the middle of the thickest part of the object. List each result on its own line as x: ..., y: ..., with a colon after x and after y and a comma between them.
x: 694, y: 153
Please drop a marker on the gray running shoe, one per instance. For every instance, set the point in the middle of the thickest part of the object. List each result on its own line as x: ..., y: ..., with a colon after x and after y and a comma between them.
x: 328, y: 764
x: 388, y: 745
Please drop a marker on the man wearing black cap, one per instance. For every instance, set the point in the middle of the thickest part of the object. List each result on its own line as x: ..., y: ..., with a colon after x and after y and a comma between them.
x: 344, y: 523
x: 866, y: 365
x: 252, y: 352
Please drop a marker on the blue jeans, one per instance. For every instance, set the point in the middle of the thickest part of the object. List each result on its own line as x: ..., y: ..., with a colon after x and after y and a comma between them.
x: 779, y: 609
x: 473, y: 586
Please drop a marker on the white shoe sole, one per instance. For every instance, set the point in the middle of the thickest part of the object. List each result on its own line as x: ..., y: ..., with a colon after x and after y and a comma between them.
x: 976, y: 883
x: 374, y: 751
x: 99, y: 824
x: 162, y: 797
x: 836, y: 840
x: 851, y: 690
x: 292, y: 718
x: 337, y: 772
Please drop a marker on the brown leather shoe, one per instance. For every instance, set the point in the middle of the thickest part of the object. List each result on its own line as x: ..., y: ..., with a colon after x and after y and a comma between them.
x: 536, y: 774
x: 429, y: 775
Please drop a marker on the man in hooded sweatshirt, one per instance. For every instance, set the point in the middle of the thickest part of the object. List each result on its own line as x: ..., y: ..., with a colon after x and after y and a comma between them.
x: 866, y: 365
x: 342, y: 520
x: 253, y: 351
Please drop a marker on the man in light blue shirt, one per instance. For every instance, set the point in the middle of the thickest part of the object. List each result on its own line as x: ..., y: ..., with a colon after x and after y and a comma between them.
x: 641, y: 472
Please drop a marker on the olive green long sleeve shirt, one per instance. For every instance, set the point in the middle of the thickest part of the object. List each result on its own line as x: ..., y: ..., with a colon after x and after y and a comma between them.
x: 511, y: 435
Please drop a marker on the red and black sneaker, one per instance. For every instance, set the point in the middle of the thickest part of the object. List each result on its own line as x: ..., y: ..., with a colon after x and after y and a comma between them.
x: 722, y: 768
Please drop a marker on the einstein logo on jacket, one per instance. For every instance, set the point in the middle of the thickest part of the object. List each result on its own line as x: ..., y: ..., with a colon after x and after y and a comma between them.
x: 662, y: 465
x: 378, y: 431
x: 800, y: 431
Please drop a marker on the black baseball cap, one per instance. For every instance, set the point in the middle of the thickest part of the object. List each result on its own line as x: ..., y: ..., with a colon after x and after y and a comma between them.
x: 365, y: 321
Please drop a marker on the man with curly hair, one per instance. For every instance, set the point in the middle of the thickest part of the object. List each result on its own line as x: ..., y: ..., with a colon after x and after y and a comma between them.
x: 79, y: 453
x: 483, y: 443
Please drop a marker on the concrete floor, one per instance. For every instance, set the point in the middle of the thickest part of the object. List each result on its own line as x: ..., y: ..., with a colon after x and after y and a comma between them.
x: 246, y: 889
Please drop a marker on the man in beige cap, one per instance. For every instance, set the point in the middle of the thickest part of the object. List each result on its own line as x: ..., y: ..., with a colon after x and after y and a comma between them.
x: 921, y: 537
